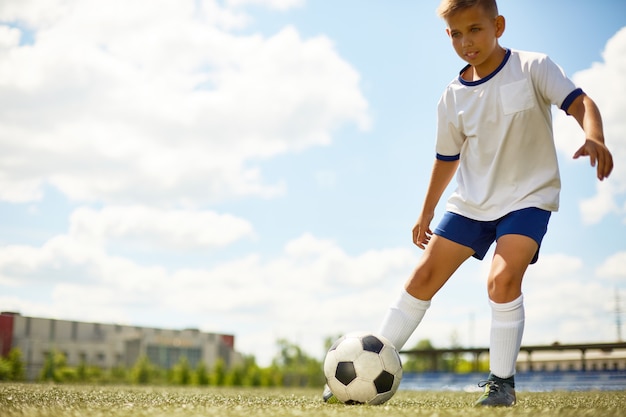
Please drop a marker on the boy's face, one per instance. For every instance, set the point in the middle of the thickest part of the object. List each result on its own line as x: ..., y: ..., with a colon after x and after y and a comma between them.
x: 474, y: 36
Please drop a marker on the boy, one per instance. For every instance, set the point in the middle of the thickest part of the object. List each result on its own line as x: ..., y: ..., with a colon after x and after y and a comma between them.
x: 494, y: 128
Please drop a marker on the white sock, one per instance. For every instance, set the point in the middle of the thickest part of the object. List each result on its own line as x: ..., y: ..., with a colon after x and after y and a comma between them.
x: 507, y: 327
x: 402, y: 319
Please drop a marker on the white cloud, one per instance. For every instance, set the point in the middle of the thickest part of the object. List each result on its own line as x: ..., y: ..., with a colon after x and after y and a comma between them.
x: 32, y: 12
x: 561, y: 314
x: 595, y: 208
x: 9, y: 38
x: 553, y: 267
x: 82, y: 254
x: 614, y: 266
x: 157, y: 228
x: 59, y: 259
x: 161, y: 102
x: 601, y: 81
x: 555, y: 307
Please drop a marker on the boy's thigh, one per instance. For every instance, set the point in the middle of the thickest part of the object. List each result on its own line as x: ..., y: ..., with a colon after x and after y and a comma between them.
x: 513, y: 254
x: 529, y: 223
x: 445, y: 254
x: 440, y: 260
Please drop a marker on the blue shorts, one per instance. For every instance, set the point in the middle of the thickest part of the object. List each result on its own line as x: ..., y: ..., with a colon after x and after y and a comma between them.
x: 479, y: 235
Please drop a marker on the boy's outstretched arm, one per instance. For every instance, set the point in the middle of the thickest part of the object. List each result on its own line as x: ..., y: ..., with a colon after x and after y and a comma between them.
x: 586, y: 113
x: 442, y: 174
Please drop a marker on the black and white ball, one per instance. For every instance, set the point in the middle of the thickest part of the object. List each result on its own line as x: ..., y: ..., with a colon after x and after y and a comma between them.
x: 363, y: 368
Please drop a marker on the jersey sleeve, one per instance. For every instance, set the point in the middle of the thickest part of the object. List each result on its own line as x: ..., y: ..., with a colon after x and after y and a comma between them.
x: 450, y: 135
x: 553, y: 84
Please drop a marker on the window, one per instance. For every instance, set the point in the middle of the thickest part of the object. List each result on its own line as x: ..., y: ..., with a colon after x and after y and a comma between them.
x: 168, y: 356
x: 97, y: 331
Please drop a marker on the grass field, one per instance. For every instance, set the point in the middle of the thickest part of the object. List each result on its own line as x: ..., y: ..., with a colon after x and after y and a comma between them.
x: 35, y: 400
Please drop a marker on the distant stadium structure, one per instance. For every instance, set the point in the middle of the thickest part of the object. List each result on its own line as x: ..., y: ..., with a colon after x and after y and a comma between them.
x: 109, y: 345
x: 556, y: 357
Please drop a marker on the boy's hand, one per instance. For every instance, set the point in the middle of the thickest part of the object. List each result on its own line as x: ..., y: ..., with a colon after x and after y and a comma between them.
x: 421, y: 230
x: 599, y: 156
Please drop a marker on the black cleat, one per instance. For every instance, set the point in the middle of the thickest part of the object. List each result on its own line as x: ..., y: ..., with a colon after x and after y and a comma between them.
x: 497, y: 394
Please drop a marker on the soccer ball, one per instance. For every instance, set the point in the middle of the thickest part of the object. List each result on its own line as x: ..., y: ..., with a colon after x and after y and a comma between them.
x: 362, y: 368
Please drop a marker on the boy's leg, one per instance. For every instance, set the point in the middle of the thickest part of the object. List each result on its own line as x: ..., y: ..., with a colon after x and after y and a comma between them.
x: 512, y: 256
x: 511, y: 259
x: 440, y: 259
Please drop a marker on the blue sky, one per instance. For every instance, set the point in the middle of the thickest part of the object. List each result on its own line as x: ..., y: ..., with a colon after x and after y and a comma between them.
x: 255, y: 167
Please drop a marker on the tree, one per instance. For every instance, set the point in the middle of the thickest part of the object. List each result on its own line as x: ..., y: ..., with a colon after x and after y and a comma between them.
x: 453, y: 360
x: 181, y: 374
x: 54, y: 367
x: 218, y: 373
x: 81, y: 371
x: 234, y: 377
x: 299, y: 369
x: 143, y: 371
x: 201, y: 376
x: 16, y: 365
x: 117, y: 375
x: 421, y: 363
x: 5, y: 370
x: 252, y: 374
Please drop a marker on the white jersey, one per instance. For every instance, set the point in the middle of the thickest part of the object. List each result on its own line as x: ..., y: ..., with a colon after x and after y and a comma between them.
x: 500, y: 128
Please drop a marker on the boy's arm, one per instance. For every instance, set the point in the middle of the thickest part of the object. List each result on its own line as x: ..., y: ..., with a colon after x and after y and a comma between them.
x: 442, y: 174
x: 586, y: 113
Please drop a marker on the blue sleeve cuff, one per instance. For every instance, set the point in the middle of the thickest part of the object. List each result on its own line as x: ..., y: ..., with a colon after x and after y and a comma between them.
x: 570, y: 99
x: 448, y: 158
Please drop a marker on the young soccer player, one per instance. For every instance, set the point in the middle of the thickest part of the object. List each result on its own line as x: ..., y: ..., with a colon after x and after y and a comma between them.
x: 494, y: 131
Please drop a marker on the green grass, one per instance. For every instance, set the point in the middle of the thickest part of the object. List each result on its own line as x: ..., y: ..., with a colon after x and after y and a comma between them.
x: 37, y: 400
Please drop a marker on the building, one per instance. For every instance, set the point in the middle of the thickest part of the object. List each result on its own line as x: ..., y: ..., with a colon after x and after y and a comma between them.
x: 109, y: 345
x: 594, y: 360
x: 608, y: 356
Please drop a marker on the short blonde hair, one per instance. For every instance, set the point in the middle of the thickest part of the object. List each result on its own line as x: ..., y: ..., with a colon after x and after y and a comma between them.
x: 449, y: 7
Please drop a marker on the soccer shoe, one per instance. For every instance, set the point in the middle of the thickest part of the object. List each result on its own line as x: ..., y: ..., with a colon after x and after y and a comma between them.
x: 328, y: 396
x: 497, y: 394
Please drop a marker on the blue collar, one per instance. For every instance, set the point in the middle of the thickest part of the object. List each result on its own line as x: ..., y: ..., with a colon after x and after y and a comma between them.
x: 488, y: 77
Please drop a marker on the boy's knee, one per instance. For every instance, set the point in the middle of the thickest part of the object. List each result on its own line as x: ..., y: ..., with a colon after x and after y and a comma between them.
x: 504, y: 287
x: 424, y: 283
x: 420, y: 279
